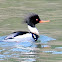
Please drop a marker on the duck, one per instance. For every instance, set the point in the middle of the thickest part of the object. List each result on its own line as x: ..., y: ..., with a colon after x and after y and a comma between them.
x: 32, y: 35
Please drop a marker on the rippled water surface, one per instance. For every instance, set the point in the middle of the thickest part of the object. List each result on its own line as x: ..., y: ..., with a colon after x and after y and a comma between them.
x: 30, y: 51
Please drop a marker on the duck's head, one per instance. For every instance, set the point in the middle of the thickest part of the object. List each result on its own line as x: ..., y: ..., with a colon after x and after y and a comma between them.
x: 32, y: 19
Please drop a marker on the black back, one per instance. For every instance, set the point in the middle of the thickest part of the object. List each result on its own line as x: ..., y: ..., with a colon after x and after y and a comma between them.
x: 14, y: 34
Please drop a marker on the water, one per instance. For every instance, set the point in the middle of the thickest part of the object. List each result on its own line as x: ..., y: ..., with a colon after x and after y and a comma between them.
x: 39, y: 51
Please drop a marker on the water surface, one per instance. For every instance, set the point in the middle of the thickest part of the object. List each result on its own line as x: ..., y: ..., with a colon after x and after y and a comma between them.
x: 30, y: 51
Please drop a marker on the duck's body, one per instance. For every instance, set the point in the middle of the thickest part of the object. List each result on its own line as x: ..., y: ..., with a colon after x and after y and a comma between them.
x: 21, y: 36
x: 33, y: 35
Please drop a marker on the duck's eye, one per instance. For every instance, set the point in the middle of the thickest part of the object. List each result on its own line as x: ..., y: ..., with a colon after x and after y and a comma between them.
x: 36, y: 19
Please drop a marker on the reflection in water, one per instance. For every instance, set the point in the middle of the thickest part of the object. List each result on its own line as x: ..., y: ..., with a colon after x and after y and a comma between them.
x: 53, y: 52
x: 44, y: 39
x: 28, y: 51
x: 22, y: 51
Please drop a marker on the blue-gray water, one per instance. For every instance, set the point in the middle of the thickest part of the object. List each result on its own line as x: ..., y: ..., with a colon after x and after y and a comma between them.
x: 30, y: 51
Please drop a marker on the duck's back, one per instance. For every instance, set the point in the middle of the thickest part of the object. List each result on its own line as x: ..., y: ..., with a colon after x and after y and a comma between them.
x: 14, y: 34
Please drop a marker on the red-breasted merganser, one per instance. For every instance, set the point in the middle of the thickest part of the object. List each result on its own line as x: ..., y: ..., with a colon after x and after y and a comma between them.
x: 33, y: 35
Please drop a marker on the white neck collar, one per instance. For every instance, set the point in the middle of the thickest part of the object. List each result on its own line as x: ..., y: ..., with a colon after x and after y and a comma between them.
x: 33, y: 30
